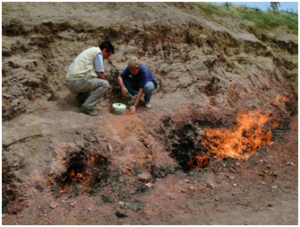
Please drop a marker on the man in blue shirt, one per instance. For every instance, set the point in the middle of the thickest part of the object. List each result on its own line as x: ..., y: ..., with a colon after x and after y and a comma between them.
x: 137, y: 80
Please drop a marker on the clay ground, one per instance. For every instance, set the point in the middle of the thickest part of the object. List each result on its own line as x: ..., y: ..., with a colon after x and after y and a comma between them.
x: 207, y: 70
x: 261, y: 190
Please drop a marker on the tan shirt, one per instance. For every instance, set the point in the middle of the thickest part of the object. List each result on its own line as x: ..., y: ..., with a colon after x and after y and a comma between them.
x: 83, y: 66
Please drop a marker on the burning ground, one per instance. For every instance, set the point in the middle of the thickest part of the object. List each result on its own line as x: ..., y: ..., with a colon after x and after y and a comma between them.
x: 152, y: 168
x: 219, y: 145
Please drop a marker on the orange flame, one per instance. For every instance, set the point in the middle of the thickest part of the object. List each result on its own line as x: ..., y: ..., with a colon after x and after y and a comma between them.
x: 240, y: 142
x: 72, y: 174
x: 276, y: 101
x: 198, y: 161
x: 62, y: 190
x: 76, y: 177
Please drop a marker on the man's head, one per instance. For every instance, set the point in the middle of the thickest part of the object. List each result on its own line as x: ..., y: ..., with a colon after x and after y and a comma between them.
x: 134, y: 65
x: 107, y: 49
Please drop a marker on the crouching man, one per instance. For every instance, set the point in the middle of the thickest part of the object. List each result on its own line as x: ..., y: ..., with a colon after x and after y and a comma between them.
x: 135, y: 81
x: 86, y: 78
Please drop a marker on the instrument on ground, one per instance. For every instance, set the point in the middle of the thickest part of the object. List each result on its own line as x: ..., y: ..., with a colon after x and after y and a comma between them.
x: 118, y: 108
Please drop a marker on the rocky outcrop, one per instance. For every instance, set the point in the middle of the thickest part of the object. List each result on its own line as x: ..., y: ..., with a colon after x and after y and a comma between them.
x: 221, y: 66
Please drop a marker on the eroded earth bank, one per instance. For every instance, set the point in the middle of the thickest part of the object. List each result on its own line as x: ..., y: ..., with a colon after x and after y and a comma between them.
x: 218, y: 146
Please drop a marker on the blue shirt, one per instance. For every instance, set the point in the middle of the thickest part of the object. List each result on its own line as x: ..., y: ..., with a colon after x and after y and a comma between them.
x: 143, y: 77
x: 98, y: 61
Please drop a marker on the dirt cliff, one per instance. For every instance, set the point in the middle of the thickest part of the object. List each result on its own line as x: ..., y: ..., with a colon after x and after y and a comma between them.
x: 127, y: 166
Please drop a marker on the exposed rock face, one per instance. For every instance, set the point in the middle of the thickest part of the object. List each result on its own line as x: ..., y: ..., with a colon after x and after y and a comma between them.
x: 223, y: 67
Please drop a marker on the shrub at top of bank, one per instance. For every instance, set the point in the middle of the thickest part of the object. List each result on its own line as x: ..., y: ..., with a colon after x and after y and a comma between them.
x: 262, y: 19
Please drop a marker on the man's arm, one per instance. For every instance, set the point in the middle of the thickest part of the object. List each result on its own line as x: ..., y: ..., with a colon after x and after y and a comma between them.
x: 101, y: 75
x: 98, y: 61
x: 124, y: 74
x: 138, y: 98
x: 123, y: 88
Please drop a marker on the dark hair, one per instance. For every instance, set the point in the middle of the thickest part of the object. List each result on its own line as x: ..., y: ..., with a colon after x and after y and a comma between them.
x: 108, y: 46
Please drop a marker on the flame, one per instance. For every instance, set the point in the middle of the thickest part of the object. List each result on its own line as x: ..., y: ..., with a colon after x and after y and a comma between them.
x: 241, y: 142
x: 276, y: 101
x: 76, y: 177
x: 72, y: 174
x: 62, y: 190
x: 199, y: 161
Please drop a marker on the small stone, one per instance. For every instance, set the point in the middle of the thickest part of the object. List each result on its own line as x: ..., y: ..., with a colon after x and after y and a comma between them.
x: 261, y: 174
x: 149, y: 185
x: 121, y: 215
x: 192, y: 188
x: 13, y: 186
x: 186, y: 180
x: 90, y: 209
x: 210, y: 185
x: 109, y: 146
x: 234, y: 185
x: 274, y: 187
x: 237, y: 163
x: 73, y: 204
x: 121, y: 204
x: 77, y: 132
x: 183, y: 190
x: 217, y: 199
x: 144, y: 177
x: 290, y: 164
x: 263, y: 183
x: 53, y: 205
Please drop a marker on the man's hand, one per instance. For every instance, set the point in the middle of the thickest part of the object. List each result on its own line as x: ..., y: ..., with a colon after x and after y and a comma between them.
x: 132, y: 109
x: 105, y: 95
x: 101, y: 75
x: 124, y: 91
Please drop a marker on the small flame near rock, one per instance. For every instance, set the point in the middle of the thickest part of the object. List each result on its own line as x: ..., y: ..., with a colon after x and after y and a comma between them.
x: 199, y: 161
x: 278, y: 100
x: 77, y: 177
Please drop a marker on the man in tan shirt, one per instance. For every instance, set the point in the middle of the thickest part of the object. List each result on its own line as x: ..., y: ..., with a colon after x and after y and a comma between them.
x: 86, y: 78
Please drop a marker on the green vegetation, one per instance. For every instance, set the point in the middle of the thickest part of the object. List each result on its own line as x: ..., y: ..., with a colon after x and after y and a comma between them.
x: 263, y: 20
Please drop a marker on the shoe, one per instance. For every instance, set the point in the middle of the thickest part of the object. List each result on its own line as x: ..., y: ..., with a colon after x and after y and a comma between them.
x: 148, y: 104
x: 133, y: 98
x: 79, y: 100
x: 78, y: 103
x: 89, y: 112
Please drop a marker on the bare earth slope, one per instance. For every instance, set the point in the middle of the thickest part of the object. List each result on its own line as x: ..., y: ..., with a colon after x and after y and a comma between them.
x: 63, y: 167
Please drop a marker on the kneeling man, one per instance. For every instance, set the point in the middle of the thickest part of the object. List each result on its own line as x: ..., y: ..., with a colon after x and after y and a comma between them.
x: 86, y: 77
x: 137, y: 77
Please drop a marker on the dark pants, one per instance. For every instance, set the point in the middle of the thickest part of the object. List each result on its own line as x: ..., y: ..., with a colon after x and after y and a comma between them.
x: 133, y: 88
